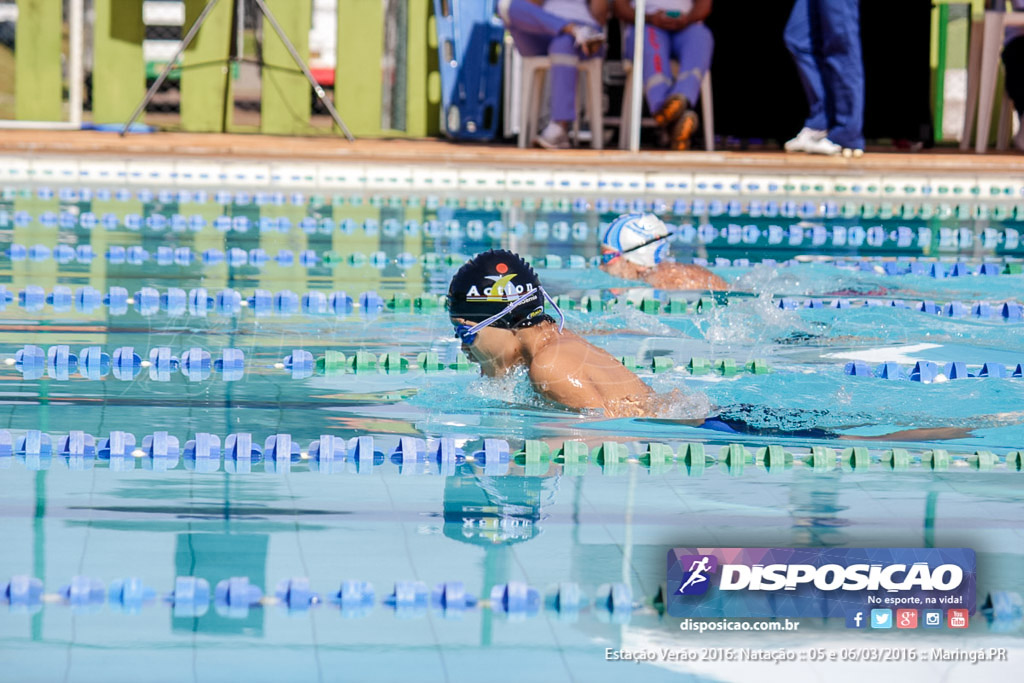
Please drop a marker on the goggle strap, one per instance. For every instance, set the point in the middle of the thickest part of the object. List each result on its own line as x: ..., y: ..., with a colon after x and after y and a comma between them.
x: 561, y: 316
x: 608, y: 258
x: 503, y: 312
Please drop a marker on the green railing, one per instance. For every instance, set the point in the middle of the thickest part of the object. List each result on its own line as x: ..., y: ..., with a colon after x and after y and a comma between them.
x: 119, y: 70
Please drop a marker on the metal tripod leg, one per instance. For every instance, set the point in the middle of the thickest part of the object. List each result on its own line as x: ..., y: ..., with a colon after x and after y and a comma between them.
x: 170, y: 65
x: 321, y: 95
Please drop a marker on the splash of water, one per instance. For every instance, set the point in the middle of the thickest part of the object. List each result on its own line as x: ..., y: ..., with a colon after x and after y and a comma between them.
x: 681, y: 404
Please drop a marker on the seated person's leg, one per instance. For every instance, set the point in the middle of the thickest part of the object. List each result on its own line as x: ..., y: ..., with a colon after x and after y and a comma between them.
x: 564, y: 59
x: 1013, y: 60
x: 530, y: 26
x: 692, y: 48
x: 657, y: 76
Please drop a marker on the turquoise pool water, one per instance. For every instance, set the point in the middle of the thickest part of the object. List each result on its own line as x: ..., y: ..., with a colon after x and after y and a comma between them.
x: 486, y: 520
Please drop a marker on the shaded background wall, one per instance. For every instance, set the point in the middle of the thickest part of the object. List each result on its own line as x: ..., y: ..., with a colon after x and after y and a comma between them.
x: 757, y: 90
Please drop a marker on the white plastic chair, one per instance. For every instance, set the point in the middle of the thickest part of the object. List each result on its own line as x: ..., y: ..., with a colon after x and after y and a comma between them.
x: 534, y: 71
x: 982, y: 75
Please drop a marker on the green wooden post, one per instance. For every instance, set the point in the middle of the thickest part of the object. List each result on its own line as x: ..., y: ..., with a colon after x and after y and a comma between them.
x: 286, y: 94
x: 205, y: 83
x: 423, y: 79
x: 118, y: 71
x: 357, y: 76
x: 38, y: 85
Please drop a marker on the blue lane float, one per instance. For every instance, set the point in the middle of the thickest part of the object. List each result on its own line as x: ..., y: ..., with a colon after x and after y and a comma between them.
x: 190, y: 597
x: 354, y: 598
x: 130, y: 595
x: 451, y: 599
x: 515, y: 600
x: 614, y: 602
x: 235, y: 596
x: 567, y: 601
x: 928, y: 372
x: 409, y: 599
x: 84, y: 593
x: 23, y: 594
x: 295, y: 594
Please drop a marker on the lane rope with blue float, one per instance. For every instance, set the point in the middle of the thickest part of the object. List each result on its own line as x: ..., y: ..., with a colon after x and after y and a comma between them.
x: 819, y: 236
x: 236, y: 257
x: 60, y: 363
x: 235, y: 597
x: 330, y: 454
x: 693, y: 196
x: 197, y: 302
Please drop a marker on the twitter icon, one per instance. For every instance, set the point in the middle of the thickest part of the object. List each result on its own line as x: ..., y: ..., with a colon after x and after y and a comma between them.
x: 881, y: 618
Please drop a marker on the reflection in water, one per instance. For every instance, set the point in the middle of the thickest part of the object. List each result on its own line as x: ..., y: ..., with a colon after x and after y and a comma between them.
x: 488, y: 511
x: 215, y: 557
x: 816, y: 511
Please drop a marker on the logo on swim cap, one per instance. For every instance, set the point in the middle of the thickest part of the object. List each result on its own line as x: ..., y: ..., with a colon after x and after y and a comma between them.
x: 488, y: 282
x: 503, y: 288
x: 628, y: 232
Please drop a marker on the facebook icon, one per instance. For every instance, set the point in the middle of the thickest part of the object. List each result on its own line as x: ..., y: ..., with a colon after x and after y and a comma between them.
x: 855, y: 620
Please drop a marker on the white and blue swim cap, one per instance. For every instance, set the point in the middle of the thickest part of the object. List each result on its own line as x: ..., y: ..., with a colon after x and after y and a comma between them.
x: 635, y: 236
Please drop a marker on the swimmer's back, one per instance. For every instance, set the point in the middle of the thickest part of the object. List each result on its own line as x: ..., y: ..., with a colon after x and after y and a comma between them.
x: 670, y: 275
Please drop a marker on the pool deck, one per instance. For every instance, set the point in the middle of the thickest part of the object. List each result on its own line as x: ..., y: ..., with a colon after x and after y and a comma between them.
x: 443, y: 153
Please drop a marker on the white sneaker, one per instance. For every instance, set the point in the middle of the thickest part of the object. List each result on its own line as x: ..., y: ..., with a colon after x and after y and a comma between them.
x: 823, y: 146
x: 804, y: 138
x: 552, y: 137
x: 853, y: 152
x: 1018, y: 139
x: 588, y: 39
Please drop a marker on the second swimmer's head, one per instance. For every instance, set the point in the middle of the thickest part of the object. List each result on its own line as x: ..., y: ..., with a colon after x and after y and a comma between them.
x: 636, y: 237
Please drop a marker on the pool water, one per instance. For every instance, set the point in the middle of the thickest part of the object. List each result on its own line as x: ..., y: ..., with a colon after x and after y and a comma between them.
x: 389, y: 512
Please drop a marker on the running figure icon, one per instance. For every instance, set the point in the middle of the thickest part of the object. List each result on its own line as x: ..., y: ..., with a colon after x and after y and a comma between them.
x: 698, y: 569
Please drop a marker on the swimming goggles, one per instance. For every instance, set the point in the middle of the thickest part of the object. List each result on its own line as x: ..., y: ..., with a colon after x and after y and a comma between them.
x: 468, y: 333
x: 608, y: 258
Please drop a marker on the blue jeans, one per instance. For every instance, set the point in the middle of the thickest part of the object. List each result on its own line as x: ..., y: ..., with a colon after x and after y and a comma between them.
x: 824, y: 39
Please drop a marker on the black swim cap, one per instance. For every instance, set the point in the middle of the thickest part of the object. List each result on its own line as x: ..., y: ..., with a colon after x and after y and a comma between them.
x: 488, y: 282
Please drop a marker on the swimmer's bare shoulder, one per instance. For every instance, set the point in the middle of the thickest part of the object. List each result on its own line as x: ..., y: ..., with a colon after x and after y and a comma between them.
x: 684, y: 276
x: 577, y: 374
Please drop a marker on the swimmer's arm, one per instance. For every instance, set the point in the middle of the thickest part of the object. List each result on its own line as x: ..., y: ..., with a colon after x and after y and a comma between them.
x: 568, y: 390
x: 923, y: 434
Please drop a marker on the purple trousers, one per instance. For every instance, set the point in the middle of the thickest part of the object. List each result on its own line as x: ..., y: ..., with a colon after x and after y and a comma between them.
x: 691, y: 48
x: 538, y: 33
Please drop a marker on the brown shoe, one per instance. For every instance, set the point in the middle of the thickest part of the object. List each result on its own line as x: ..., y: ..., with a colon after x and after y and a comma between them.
x: 682, y: 129
x: 670, y: 111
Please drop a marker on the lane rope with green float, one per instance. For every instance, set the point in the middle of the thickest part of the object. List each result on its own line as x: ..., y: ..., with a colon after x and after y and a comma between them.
x: 329, y: 454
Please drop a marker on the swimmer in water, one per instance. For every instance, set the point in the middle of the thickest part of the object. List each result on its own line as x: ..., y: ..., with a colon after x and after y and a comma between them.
x: 635, y: 247
x: 496, y: 304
